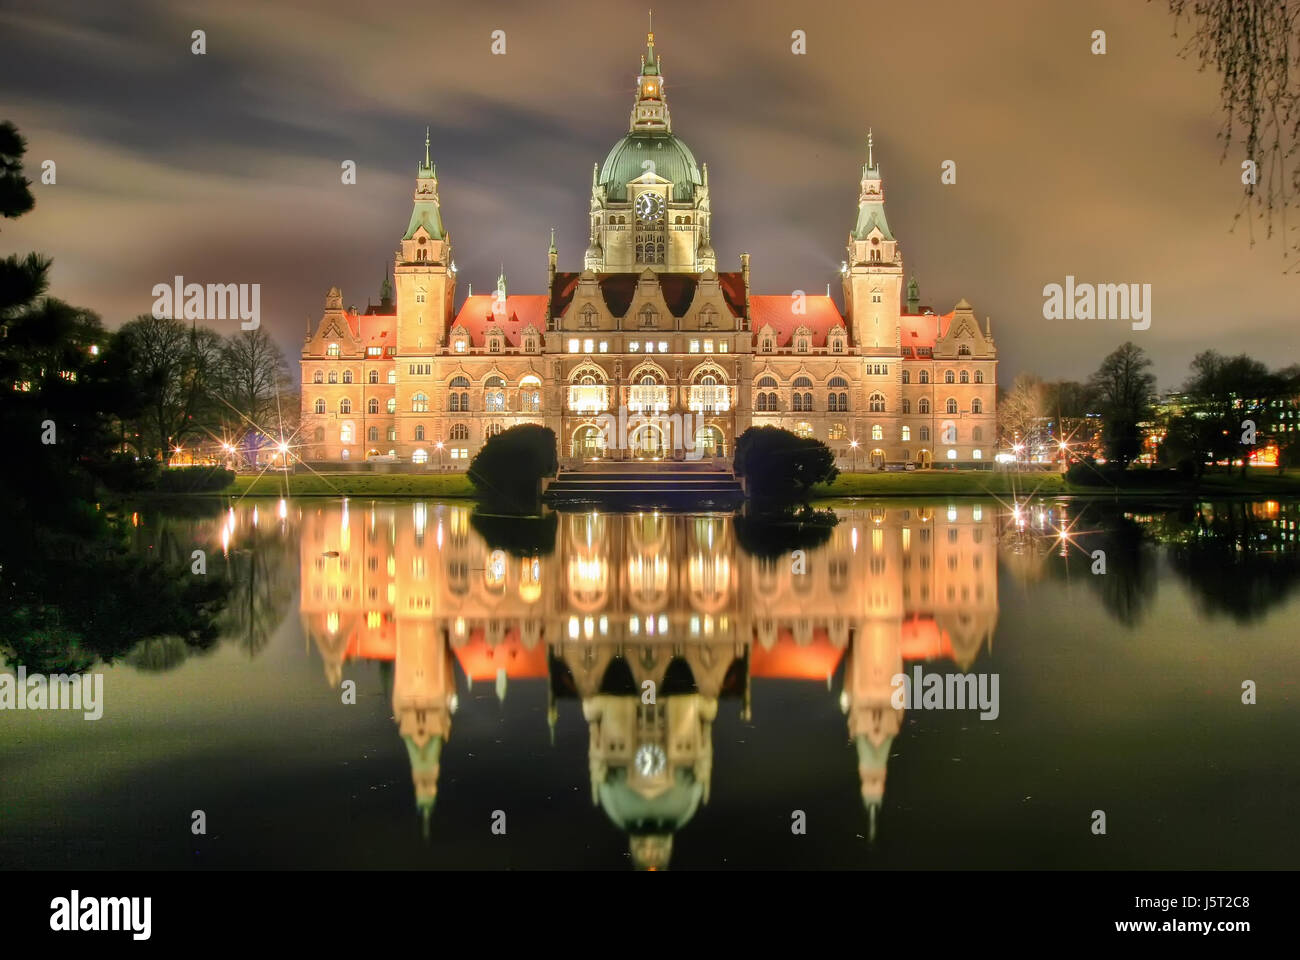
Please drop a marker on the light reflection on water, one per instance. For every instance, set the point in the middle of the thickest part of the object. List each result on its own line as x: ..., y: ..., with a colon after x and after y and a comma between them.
x: 765, y: 648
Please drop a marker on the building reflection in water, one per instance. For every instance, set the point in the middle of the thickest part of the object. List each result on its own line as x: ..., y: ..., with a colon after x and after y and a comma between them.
x: 629, y: 600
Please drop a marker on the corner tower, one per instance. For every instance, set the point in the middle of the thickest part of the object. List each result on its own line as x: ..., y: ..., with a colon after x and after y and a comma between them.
x: 649, y: 203
x: 422, y: 270
x: 873, y: 272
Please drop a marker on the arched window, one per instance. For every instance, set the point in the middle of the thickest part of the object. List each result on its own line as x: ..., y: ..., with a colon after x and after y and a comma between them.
x: 347, y: 376
x: 373, y: 434
x: 392, y: 405
x: 906, y: 436
x: 925, y: 434
x: 318, y: 377
x: 494, y: 396
x: 372, y: 405
x: 494, y: 428
x: 374, y: 376
x: 979, y: 376
x: 963, y: 351
x: 923, y: 405
x: 392, y: 376
x: 420, y: 403
x: 801, y: 383
x: 836, y: 431
x: 907, y: 405
x: 965, y: 376
x: 530, y: 394
x: 459, y: 431
x: 334, y: 376
x: 459, y: 383
x: 950, y: 405
x: 977, y: 434
x: 419, y: 431
x: 320, y: 406
x: 767, y: 383
x: 948, y: 377
x: 977, y: 405
x: 907, y: 376
x: 345, y: 405
x: 876, y: 403
x: 924, y: 377
x: 877, y: 432
x: 332, y: 350
x: 838, y: 383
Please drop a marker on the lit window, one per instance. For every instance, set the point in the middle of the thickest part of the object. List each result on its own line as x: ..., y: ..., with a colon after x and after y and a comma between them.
x: 952, y: 454
x: 332, y: 350
x: 708, y: 346
x: 573, y: 346
x: 649, y: 346
x: 588, y: 346
x: 604, y: 347
x: 978, y: 455
x: 460, y: 346
x: 663, y: 346
x: 634, y: 346
x: 722, y: 347
x: 695, y: 346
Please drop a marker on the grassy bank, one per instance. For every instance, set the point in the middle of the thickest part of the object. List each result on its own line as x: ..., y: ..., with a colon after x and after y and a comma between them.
x: 919, y: 483
x: 353, y: 485
x: 982, y: 483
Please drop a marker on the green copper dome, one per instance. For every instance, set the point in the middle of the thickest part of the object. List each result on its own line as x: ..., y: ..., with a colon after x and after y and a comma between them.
x: 672, y: 160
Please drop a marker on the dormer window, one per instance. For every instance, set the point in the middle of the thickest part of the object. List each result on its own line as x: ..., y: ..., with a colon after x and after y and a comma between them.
x: 332, y: 350
x: 963, y: 350
x: 766, y: 345
x: 801, y: 344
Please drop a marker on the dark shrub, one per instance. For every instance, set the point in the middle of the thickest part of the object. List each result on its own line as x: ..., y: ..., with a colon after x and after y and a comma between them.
x: 781, y: 466
x: 506, y: 472
x: 194, y: 480
x: 123, y: 473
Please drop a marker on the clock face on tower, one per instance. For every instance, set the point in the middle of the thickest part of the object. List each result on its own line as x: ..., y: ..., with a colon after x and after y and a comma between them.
x: 649, y: 206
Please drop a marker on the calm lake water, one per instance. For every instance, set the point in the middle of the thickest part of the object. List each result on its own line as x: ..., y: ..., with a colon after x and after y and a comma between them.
x: 500, y: 671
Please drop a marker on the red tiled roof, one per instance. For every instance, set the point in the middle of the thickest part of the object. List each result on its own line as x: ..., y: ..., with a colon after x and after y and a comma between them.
x: 373, y: 330
x: 820, y: 318
x: 481, y: 660
x: 617, y: 290
x: 477, y: 316
x: 921, y: 330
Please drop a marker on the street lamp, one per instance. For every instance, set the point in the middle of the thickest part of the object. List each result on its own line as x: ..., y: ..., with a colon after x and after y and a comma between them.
x: 854, y: 445
x: 438, y: 445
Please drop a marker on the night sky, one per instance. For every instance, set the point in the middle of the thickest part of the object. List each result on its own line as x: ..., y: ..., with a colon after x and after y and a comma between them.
x: 226, y: 167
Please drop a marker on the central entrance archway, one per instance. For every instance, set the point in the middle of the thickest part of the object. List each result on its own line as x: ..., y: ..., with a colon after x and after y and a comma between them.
x: 648, y: 443
x: 588, y: 443
x: 877, y: 458
x: 708, y: 441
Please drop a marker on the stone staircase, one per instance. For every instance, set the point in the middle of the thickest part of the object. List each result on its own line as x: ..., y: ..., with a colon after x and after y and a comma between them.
x: 631, y: 484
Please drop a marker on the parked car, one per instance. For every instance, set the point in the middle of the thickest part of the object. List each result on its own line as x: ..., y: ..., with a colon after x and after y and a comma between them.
x: 909, y: 465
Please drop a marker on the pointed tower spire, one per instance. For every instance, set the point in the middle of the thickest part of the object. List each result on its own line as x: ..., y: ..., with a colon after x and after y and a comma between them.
x: 650, y: 111
x: 870, y: 159
x: 552, y: 249
x: 426, y: 213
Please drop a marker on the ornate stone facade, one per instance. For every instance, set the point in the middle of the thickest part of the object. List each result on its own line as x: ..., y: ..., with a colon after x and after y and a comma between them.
x: 648, y: 327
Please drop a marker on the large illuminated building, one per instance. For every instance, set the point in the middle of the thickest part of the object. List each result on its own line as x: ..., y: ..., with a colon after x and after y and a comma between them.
x: 649, y: 325
x: 623, y: 600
